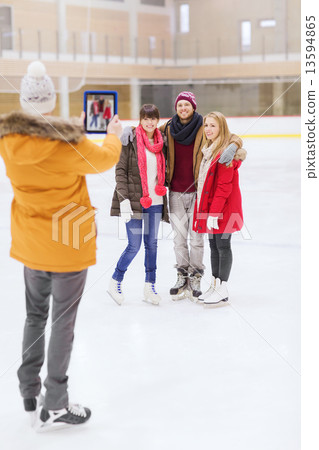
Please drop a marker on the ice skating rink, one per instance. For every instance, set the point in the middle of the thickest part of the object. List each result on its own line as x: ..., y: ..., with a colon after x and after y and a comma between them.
x: 179, y: 376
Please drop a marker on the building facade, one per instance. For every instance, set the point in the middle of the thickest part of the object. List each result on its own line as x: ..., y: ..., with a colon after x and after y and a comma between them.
x: 240, y: 57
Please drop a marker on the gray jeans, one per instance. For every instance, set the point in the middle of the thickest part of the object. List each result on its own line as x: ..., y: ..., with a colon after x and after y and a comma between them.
x: 66, y: 290
x: 181, y: 208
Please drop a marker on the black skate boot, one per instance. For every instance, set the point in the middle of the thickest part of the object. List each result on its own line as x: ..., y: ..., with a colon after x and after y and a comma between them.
x: 194, y: 284
x: 74, y: 414
x: 180, y: 290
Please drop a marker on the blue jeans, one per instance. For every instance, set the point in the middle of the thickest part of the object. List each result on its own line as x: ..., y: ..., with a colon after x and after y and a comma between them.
x: 94, y: 120
x: 151, y: 218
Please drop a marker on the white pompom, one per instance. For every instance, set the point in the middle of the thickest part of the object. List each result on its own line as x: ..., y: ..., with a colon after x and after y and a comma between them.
x: 36, y: 69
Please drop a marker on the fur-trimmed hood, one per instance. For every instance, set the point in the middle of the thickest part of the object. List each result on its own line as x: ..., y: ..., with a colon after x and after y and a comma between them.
x: 18, y: 130
x: 47, y: 127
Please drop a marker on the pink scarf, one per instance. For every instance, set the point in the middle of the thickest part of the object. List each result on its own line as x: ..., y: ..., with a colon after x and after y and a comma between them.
x: 142, y: 142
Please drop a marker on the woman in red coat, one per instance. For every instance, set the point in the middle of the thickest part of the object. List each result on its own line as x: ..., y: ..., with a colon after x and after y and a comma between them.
x: 218, y: 209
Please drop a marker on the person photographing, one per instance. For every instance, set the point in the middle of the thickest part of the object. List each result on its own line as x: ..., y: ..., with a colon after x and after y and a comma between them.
x: 46, y: 160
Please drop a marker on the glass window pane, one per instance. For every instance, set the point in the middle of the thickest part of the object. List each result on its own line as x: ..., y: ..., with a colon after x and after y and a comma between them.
x: 246, y: 34
x: 184, y: 18
x: 266, y: 23
x: 6, y: 27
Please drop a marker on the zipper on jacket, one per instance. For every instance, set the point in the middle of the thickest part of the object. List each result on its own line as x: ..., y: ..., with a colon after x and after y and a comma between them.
x: 196, y: 160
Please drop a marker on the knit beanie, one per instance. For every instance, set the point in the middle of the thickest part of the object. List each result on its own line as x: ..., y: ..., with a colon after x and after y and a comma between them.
x: 37, y: 93
x: 186, y: 95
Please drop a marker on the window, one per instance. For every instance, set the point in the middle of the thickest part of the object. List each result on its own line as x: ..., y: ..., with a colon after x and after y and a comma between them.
x: 246, y: 35
x: 184, y: 18
x: 153, y: 2
x: 6, y: 28
x: 267, y: 23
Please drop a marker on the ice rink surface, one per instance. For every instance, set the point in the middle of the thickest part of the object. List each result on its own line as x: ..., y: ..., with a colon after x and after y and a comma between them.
x: 178, y: 376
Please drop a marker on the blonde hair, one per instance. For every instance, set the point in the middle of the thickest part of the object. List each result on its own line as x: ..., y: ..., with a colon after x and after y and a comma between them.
x: 225, y: 137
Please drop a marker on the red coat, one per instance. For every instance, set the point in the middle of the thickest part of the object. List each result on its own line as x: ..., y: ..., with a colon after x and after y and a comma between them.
x: 107, y: 113
x: 220, y: 197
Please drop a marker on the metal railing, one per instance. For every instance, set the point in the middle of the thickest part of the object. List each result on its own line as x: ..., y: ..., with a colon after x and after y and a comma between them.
x: 99, y: 47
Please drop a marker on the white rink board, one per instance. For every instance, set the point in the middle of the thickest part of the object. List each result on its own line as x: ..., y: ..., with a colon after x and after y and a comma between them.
x: 279, y: 126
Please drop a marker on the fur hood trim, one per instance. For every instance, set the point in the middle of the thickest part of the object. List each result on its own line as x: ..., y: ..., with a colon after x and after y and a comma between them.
x: 47, y: 127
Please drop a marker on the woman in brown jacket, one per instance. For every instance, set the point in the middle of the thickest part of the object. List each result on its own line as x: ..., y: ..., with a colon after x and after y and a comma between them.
x: 140, y: 196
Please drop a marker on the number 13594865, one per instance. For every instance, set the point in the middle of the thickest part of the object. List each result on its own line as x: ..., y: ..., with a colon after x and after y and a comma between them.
x: 310, y: 44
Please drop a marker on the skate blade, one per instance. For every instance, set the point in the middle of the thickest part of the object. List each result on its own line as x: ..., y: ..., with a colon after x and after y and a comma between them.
x: 46, y: 428
x: 150, y: 302
x: 194, y: 299
x: 43, y: 427
x: 221, y: 303
x: 197, y: 300
x: 183, y: 295
x: 117, y: 302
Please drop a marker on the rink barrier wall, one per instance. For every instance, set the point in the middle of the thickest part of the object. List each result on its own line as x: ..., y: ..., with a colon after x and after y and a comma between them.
x: 246, y: 127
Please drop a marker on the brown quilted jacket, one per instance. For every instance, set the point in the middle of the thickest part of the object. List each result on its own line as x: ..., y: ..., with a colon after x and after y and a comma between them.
x: 128, y: 182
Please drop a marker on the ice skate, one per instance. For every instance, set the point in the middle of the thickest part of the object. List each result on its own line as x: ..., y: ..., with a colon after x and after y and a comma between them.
x: 32, y: 405
x: 194, y: 284
x: 219, y: 294
x: 150, y: 294
x: 180, y: 290
x: 209, y: 291
x: 74, y: 414
x: 115, y: 291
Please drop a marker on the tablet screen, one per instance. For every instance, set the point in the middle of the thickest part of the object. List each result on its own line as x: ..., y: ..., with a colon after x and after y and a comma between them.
x: 99, y: 107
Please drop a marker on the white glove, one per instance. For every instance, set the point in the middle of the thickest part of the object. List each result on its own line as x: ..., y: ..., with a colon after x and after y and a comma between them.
x: 212, y: 222
x: 126, y: 210
x: 127, y: 135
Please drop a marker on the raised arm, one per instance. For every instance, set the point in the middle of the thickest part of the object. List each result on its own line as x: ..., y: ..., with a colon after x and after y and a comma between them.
x: 233, y: 151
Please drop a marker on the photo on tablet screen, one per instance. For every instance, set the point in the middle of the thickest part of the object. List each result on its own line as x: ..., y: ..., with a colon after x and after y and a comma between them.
x: 100, y: 107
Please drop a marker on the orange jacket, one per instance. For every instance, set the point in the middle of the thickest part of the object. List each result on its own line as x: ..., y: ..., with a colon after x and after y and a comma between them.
x: 52, y: 219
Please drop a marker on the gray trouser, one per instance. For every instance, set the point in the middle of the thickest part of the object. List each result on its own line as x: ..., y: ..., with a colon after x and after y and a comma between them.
x: 66, y: 289
x: 181, y: 207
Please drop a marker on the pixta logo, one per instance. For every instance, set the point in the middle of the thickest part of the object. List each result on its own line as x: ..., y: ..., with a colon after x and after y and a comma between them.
x: 66, y: 225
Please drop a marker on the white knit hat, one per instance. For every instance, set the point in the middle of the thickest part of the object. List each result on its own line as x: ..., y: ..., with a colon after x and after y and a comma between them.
x: 37, y: 93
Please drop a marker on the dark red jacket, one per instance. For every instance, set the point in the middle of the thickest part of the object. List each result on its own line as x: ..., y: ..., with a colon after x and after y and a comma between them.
x: 220, y: 197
